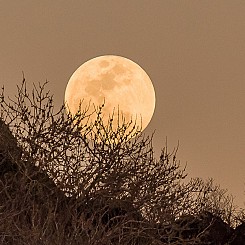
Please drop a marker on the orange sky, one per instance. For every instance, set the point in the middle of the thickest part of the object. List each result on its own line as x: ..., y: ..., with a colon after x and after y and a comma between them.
x: 194, y: 52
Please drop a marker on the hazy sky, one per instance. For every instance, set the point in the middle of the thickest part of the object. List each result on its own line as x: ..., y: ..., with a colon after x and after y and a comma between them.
x: 194, y: 52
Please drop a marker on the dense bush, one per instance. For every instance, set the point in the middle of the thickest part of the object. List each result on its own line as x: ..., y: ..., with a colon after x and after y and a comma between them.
x: 64, y: 180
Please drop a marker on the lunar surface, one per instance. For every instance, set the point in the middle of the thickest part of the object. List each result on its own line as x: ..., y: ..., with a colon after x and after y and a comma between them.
x: 118, y: 83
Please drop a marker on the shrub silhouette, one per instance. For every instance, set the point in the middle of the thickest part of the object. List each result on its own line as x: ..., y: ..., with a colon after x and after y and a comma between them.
x: 67, y: 181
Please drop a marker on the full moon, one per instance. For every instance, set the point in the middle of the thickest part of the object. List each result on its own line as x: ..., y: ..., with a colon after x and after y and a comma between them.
x: 119, y: 84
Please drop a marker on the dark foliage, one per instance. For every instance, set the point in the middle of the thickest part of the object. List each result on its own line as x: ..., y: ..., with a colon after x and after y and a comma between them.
x: 64, y: 180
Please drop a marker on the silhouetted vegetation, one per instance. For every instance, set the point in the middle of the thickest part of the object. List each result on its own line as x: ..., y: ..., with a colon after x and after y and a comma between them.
x: 64, y: 180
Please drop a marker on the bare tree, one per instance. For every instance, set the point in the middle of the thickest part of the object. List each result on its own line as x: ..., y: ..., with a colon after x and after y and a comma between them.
x: 77, y: 182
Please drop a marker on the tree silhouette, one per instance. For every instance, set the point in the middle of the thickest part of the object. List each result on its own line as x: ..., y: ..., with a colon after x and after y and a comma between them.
x: 65, y: 180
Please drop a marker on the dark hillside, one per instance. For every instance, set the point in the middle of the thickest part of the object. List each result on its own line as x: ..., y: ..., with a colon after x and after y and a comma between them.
x: 35, y: 211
